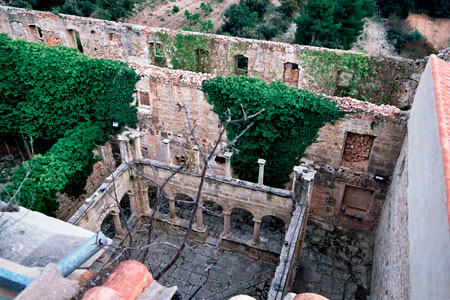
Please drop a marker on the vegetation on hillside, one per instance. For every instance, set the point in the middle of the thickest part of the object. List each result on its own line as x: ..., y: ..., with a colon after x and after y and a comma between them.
x: 408, y: 42
x: 258, y: 19
x: 332, y: 24
x: 66, y: 104
x: 402, y: 8
x: 280, y: 134
x: 101, y: 9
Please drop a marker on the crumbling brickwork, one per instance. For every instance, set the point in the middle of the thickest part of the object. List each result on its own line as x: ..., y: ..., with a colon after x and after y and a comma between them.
x: 357, y: 150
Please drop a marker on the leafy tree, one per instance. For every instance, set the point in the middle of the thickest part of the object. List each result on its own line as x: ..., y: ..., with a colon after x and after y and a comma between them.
x: 258, y: 6
x: 237, y: 18
x: 66, y: 102
x: 350, y: 15
x: 433, y: 8
x: 316, y: 24
x: 289, y: 7
x: 332, y: 24
x: 400, y: 8
x: 281, y: 134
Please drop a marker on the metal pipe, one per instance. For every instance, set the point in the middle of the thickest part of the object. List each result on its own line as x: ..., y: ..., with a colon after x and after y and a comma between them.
x: 12, y: 281
x: 82, y: 253
x: 16, y: 282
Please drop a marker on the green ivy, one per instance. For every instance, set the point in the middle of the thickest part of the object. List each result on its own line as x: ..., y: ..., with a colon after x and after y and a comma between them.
x: 354, y: 75
x: 190, y: 52
x: 64, y: 168
x: 66, y: 102
x: 328, y: 68
x: 280, y: 135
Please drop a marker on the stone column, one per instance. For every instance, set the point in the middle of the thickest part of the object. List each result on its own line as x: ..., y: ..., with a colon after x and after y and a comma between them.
x: 167, y: 158
x: 196, y: 159
x: 256, y: 229
x: 173, y: 216
x: 228, y: 164
x: 261, y: 163
x: 117, y: 225
x: 134, y: 204
x: 136, y: 138
x: 199, y: 226
x: 143, y: 197
x: 124, y: 150
x: 226, y: 223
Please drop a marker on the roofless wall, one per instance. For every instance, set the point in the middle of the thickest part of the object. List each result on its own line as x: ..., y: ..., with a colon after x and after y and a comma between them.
x: 341, y: 73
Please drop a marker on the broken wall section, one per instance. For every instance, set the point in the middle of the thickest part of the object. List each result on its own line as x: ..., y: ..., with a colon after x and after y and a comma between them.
x: 347, y: 155
x: 354, y: 160
x: 333, y: 72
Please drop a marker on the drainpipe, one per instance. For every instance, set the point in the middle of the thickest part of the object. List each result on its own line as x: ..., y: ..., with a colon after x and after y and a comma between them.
x: 17, y: 282
x: 78, y: 256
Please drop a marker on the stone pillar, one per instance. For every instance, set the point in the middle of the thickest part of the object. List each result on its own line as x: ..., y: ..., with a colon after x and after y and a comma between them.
x: 142, y: 190
x: 256, y: 229
x: 124, y: 150
x: 228, y: 164
x: 134, y: 203
x: 261, y: 163
x: 137, y: 151
x: 117, y: 225
x: 197, y: 166
x: 226, y: 223
x: 199, y: 226
x: 173, y: 216
x: 167, y: 158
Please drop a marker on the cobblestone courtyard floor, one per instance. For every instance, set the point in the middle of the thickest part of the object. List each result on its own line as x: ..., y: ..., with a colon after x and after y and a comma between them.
x: 232, y: 273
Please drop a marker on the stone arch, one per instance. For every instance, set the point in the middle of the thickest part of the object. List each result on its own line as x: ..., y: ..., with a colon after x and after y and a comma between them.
x: 125, y: 205
x: 213, y: 217
x: 241, y: 223
x: 164, y: 204
x: 107, y: 225
x: 273, y: 232
x: 184, y: 205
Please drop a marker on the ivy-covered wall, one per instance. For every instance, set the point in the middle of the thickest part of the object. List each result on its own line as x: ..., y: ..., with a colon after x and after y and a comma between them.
x: 62, y: 101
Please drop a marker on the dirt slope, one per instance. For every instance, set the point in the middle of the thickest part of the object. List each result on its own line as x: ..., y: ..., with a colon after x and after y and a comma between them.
x: 437, y: 31
x: 159, y: 13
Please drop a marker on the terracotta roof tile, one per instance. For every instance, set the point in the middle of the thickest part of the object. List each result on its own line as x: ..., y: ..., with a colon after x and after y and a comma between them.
x: 441, y: 78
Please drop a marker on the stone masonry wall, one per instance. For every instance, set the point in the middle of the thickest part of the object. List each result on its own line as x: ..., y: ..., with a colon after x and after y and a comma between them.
x: 377, y: 79
x: 383, y: 126
x: 160, y: 92
x: 335, y: 177
x: 390, y: 275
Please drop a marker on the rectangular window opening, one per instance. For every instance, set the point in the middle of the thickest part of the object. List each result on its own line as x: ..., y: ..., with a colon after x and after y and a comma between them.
x: 241, y: 63
x: 144, y: 98
x: 202, y: 60
x: 356, y: 201
x: 357, y: 151
x: 74, y: 39
x: 36, y: 33
x: 290, y: 74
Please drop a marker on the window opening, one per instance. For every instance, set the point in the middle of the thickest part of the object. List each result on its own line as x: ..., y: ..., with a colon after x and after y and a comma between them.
x: 290, y: 75
x: 241, y: 64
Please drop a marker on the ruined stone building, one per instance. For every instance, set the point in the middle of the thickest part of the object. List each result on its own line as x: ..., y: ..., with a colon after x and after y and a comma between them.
x: 366, y: 215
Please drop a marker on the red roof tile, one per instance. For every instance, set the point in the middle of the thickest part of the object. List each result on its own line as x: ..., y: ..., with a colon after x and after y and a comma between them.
x: 127, y: 282
x: 441, y: 78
